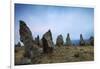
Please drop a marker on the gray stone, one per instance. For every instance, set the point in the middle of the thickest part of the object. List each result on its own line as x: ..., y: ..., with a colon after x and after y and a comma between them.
x: 47, y: 42
x: 31, y: 49
x: 37, y: 40
x: 59, y: 41
x: 68, y: 40
x: 91, y: 40
x: 82, y: 42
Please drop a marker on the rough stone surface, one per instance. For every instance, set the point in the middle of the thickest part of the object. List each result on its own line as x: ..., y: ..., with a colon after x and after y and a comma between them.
x: 82, y: 42
x: 59, y: 41
x: 68, y: 40
x: 27, y: 39
x: 91, y: 40
x: 37, y: 40
x: 47, y: 42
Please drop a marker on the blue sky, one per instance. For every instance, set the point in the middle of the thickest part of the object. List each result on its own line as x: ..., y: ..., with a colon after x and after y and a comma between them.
x: 60, y: 19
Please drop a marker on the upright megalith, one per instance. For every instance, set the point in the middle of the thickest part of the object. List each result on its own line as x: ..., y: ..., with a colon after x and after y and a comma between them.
x: 47, y: 42
x: 68, y: 40
x: 91, y: 40
x: 18, y: 44
x: 17, y: 47
x: 27, y: 39
x: 59, y: 41
x: 82, y: 42
x: 37, y: 40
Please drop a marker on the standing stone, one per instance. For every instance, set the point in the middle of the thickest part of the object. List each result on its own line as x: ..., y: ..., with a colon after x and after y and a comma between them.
x: 47, y: 42
x: 82, y: 42
x: 27, y: 39
x: 17, y: 47
x: 59, y: 41
x: 91, y: 40
x: 37, y: 40
x: 68, y: 40
x: 18, y: 44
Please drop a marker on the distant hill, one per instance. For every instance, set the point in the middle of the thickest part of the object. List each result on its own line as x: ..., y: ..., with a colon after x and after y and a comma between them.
x: 76, y: 42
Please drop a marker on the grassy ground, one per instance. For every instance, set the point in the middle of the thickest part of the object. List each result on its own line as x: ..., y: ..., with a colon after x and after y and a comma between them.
x: 63, y: 54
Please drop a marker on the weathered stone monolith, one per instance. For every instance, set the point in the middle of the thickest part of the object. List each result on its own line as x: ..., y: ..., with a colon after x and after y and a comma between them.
x: 47, y: 42
x: 82, y: 42
x: 68, y: 40
x: 26, y: 38
x: 59, y: 41
x: 91, y: 40
x: 37, y: 40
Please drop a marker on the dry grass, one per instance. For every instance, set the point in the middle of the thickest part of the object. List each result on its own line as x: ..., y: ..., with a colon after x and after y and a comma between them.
x: 64, y: 54
x: 69, y: 54
x: 19, y: 54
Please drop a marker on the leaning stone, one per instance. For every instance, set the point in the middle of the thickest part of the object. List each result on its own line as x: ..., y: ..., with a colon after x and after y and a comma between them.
x: 26, y: 38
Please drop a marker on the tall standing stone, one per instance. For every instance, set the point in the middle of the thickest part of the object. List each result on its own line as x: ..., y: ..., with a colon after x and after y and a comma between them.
x: 37, y: 40
x: 82, y: 42
x: 47, y: 42
x: 27, y: 39
x: 68, y: 40
x: 91, y: 40
x: 59, y: 41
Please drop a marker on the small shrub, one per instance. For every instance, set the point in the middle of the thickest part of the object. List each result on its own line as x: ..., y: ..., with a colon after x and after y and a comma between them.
x: 76, y: 55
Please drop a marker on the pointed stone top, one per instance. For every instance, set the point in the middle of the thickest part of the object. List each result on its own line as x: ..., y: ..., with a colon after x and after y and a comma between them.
x: 48, y: 33
x: 68, y: 34
x: 81, y: 36
x: 59, y: 40
x: 49, y: 30
x: 60, y: 35
x: 22, y: 22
